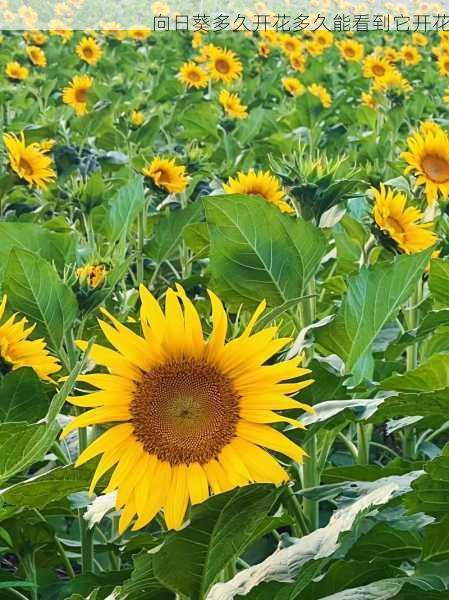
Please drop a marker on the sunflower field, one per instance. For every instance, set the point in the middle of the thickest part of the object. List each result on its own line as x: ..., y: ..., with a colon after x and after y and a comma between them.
x: 224, y: 315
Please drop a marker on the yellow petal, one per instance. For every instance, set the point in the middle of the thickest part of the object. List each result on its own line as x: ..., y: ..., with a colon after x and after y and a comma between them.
x: 177, y: 498
x: 197, y: 483
x: 108, y: 440
x: 269, y: 438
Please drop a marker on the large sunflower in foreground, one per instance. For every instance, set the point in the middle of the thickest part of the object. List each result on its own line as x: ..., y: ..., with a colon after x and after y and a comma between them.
x: 76, y: 93
x: 259, y: 183
x: 401, y: 224
x: 17, y: 351
x: 166, y: 174
x: 428, y: 159
x: 31, y: 162
x: 224, y: 65
x: 89, y: 51
x: 191, y: 416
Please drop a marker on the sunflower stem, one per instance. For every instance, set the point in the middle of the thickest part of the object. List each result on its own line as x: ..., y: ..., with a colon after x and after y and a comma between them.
x: 86, y: 534
x: 141, y: 232
x: 364, y: 432
x: 292, y: 504
x: 412, y: 319
x: 310, y: 470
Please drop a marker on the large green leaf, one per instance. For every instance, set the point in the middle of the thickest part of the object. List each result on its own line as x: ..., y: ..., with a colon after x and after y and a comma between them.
x: 22, y: 396
x: 142, y: 584
x: 22, y: 444
x: 439, y: 280
x: 220, y: 530
x: 258, y: 253
x: 433, y: 375
x: 436, y: 541
x: 374, y: 297
x: 37, y: 492
x: 53, y: 247
x: 35, y: 290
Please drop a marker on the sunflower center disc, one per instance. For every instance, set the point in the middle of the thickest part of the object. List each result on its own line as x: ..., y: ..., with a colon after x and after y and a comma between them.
x: 436, y: 168
x: 25, y: 166
x: 81, y: 95
x: 222, y: 66
x: 378, y: 70
x: 185, y: 411
x: 88, y: 52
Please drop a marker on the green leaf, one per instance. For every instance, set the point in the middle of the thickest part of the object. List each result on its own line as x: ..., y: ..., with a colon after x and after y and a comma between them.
x: 433, y: 375
x: 35, y: 290
x: 38, y: 491
x: 374, y: 297
x: 21, y: 444
x: 22, y: 396
x: 439, y: 280
x: 114, y: 219
x: 436, y: 541
x: 259, y: 253
x: 221, y: 529
x: 388, y: 543
x: 200, y: 121
x: 143, y: 585
x: 168, y: 232
x: 53, y: 247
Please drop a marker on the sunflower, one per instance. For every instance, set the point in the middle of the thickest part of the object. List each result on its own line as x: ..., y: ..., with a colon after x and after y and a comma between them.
x: 428, y: 160
x: 419, y: 38
x: 76, y: 93
x: 15, y: 71
x: 166, y: 174
x: 139, y: 34
x: 137, y: 118
x: 292, y: 85
x: 37, y: 56
x: 259, y: 183
x: 92, y: 275
x: 89, y: 51
x: 313, y: 48
x: 392, y: 81
x: 188, y: 416
x: 39, y: 38
x: 351, y: 50
x: 323, y: 38
x: 321, y: 93
x: 197, y: 39
x: 224, y: 65
x: 410, y: 55
x: 17, y: 351
x: 376, y: 66
x: 443, y: 64
x: 263, y: 50
x: 401, y: 223
x: 232, y: 105
x: 193, y: 76
x: 31, y: 162
x: 298, y: 62
x: 290, y: 44
x: 368, y: 100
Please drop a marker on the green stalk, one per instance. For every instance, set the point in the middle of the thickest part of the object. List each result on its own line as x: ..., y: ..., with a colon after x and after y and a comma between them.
x: 300, y: 527
x: 364, y: 432
x: 86, y: 534
x: 141, y: 230
x: 411, y: 317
